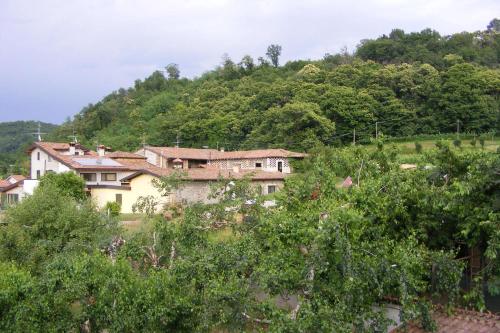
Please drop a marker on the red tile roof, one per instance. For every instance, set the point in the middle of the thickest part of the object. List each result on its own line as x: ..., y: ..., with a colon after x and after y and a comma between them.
x: 212, y: 154
x: 262, y: 153
x: 462, y: 321
x: 124, y: 155
x: 6, y: 185
x: 72, y: 161
x: 183, y: 153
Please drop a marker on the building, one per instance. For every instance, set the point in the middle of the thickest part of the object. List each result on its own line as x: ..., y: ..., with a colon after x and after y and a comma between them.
x: 11, y: 190
x: 124, y: 177
x: 270, y: 160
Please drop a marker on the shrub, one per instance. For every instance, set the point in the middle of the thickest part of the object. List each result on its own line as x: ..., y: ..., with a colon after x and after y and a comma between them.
x: 481, y: 142
x: 66, y: 183
x: 457, y: 143
x: 112, y: 208
x: 473, y: 142
x: 418, y: 147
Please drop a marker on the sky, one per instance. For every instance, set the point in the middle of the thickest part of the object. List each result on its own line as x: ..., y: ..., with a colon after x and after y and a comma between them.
x: 57, y: 56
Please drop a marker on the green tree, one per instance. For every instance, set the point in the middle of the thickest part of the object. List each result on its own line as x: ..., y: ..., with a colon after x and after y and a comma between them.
x: 66, y: 183
x: 173, y: 71
x: 273, y: 53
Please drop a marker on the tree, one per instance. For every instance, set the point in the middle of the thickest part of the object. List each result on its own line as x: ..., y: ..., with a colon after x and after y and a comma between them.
x: 66, y: 183
x: 273, y: 53
x: 247, y: 63
x: 173, y: 71
x: 494, y: 25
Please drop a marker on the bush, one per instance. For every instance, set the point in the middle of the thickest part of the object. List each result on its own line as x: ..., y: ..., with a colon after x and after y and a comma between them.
x: 66, y: 183
x: 418, y: 147
x: 473, y: 142
x: 112, y: 208
x: 457, y: 143
x: 481, y: 142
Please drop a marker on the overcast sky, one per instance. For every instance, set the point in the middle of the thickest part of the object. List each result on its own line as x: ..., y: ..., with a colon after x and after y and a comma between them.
x: 56, y: 56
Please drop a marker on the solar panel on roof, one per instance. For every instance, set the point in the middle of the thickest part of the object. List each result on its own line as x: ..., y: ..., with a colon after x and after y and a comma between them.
x: 96, y: 162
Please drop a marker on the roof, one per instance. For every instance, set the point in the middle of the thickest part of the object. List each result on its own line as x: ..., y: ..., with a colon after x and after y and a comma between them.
x: 261, y: 153
x: 183, y: 153
x: 124, y: 154
x: 17, y: 178
x: 6, y: 185
x: 462, y: 321
x: 213, y: 154
x: 209, y: 174
x: 89, y: 161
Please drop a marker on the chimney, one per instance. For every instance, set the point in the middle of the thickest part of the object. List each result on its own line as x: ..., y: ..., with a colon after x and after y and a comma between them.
x: 72, y: 148
x: 101, y: 150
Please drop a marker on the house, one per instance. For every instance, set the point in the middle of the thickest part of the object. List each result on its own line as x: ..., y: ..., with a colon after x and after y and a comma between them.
x: 123, y: 177
x: 271, y: 160
x: 11, y: 190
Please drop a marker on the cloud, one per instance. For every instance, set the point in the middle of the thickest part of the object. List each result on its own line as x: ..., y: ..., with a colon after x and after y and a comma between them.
x: 57, y: 56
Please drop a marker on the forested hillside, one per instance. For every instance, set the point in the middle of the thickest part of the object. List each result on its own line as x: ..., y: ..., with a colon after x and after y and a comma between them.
x: 406, y: 83
x: 13, y: 136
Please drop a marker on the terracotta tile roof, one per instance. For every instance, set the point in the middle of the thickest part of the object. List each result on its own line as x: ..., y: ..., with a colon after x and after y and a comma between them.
x: 124, y: 155
x: 89, y: 161
x: 262, y: 153
x: 183, y: 153
x: 462, y: 321
x: 209, y: 174
x: 212, y: 154
x: 6, y: 185
x: 17, y: 178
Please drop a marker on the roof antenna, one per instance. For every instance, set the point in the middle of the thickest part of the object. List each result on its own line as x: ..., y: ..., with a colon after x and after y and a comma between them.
x: 74, y: 137
x: 177, y: 141
x: 38, y: 133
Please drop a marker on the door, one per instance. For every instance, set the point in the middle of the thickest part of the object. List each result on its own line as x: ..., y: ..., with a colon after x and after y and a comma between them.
x: 280, y: 166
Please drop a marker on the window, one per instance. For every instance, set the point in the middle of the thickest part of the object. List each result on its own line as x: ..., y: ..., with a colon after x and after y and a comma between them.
x: 258, y: 165
x: 271, y: 189
x: 89, y: 177
x: 12, y: 198
x: 37, y: 174
x: 280, y: 166
x: 108, y: 177
x: 118, y: 198
x: 38, y: 156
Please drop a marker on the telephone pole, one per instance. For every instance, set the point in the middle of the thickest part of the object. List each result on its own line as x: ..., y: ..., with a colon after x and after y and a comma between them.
x: 354, y: 137
x: 376, y: 128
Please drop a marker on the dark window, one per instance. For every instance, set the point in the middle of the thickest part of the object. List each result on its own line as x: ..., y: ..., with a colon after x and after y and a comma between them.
x: 258, y: 165
x: 38, y: 156
x: 280, y: 166
x: 118, y: 198
x: 89, y: 177
x: 12, y: 198
x: 37, y: 174
x: 108, y: 177
x: 271, y: 189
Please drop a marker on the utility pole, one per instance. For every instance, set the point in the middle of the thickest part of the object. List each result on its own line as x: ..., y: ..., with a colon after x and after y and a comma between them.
x: 458, y: 129
x: 177, y: 141
x: 376, y: 128
x: 354, y: 137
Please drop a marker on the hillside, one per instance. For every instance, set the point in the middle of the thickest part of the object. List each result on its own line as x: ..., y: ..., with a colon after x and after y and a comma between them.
x: 13, y: 136
x: 402, y: 84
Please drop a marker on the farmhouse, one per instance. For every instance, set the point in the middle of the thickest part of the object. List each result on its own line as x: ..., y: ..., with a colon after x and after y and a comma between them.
x: 123, y: 177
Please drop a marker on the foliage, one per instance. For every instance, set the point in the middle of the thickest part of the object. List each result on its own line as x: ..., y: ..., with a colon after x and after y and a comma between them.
x: 112, y: 208
x: 67, y: 183
x: 14, y: 138
x: 418, y: 147
x: 146, y: 204
x: 408, y: 90
x: 48, y: 223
